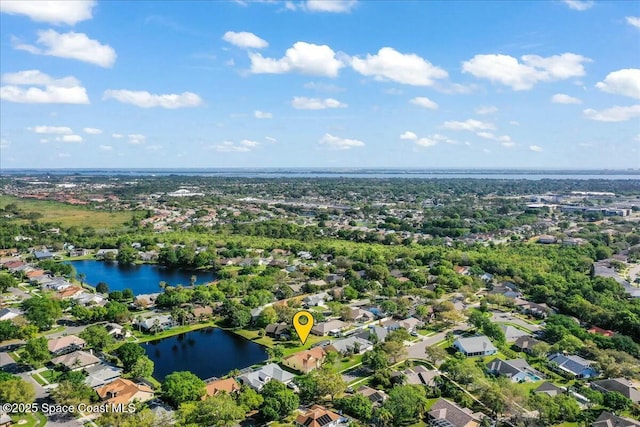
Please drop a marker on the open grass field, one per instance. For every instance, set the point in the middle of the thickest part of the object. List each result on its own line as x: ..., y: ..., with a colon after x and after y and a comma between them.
x: 68, y: 215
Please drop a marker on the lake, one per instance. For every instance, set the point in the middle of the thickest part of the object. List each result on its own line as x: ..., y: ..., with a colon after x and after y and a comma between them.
x: 141, y: 279
x: 208, y: 352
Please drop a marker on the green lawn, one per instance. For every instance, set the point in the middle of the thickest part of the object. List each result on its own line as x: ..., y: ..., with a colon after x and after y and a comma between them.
x: 68, y: 215
x: 38, y: 379
x: 290, y: 347
x: 50, y: 376
x: 143, y: 337
x: 30, y: 420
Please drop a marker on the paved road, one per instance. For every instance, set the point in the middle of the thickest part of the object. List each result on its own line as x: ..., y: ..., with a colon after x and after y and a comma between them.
x: 634, y: 272
x: 417, y: 350
x: 498, y: 317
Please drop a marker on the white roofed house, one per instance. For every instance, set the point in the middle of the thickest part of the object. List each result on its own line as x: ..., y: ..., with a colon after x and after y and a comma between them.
x: 65, y: 344
x: 159, y: 322
x: 475, y: 346
x: 258, y: 378
x: 351, y: 345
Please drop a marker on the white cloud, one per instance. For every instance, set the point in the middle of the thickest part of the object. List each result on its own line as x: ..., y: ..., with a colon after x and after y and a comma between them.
x: 249, y: 143
x: 244, y: 39
x: 232, y: 147
x: 66, y: 90
x: 426, y: 142
x: 304, y: 58
x: 303, y: 103
x: 514, y: 123
x: 614, y: 114
x: 470, y: 125
x: 333, y: 6
x: 443, y: 138
x: 262, y: 115
x: 625, y: 82
x: 106, y: 147
x: 634, y: 21
x: 579, y: 5
x: 337, y: 143
x: 4, y: 143
x: 136, y: 138
x: 38, y: 78
x: 486, y: 109
x: 271, y: 139
x: 423, y: 101
x: 92, y: 131
x: 486, y: 135
x: 53, y: 12
x: 73, y: 46
x: 408, y: 135
x: 508, y: 144
x: 117, y: 135
x: 69, y: 138
x: 53, y: 130
x: 561, y: 98
x: 535, y: 148
x: 145, y: 99
x: 533, y: 69
x: 389, y: 64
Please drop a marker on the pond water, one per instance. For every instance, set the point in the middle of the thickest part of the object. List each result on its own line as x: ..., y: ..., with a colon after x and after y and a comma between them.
x: 208, y: 352
x: 141, y: 279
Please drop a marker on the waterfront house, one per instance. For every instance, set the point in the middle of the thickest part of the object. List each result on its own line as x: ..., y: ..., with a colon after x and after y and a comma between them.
x: 475, y: 346
x: 305, y: 361
x: 318, y: 416
x: 277, y: 330
x: 228, y: 385
x: 65, y: 344
x: 123, y: 391
x: 155, y: 323
x: 258, y: 378
x: 101, y: 374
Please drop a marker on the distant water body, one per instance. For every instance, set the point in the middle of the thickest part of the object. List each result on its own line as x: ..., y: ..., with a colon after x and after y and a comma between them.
x: 501, y: 174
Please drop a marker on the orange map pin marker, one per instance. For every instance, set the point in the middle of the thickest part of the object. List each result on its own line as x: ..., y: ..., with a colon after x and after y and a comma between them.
x: 303, y: 322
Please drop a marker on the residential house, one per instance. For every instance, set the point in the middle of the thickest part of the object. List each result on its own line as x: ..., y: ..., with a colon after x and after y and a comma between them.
x: 318, y: 416
x: 89, y: 299
x: 350, y: 345
x: 9, y: 313
x: 333, y: 327
x: 620, y: 385
x: 511, y: 333
x: 277, y: 330
x: 101, y: 374
x: 155, y: 323
x: 43, y: 255
x: 305, y: 361
x: 445, y: 413
x: 525, y: 343
x: 117, y: 331
x: 607, y: 419
x: 123, y: 391
x: 316, y: 300
x: 356, y: 314
x: 146, y: 300
x: 475, y: 346
x: 202, y: 313
x: 599, y: 331
x: 550, y: 389
x: 518, y: 370
x: 76, y: 360
x: 71, y: 292
x: 258, y: 378
x: 65, y: 344
x: 418, y: 375
x: 377, y: 397
x: 228, y: 385
x: 532, y: 308
x: 5, y: 419
x: 103, y: 252
x: 573, y: 365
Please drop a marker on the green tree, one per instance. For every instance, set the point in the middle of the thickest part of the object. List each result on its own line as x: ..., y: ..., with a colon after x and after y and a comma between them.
x: 267, y: 316
x: 357, y: 406
x: 220, y: 410
x: 97, y: 337
x: 329, y: 381
x: 435, y: 354
x: 142, y: 368
x: 617, y: 401
x: 36, y: 351
x: 406, y: 403
x: 375, y: 359
x: 8, y: 330
x: 127, y: 255
x: 42, y: 311
x: 279, y: 401
x: 17, y: 391
x: 249, y: 399
x: 6, y: 281
x: 73, y: 393
x: 182, y: 386
x: 129, y: 353
x: 102, y: 288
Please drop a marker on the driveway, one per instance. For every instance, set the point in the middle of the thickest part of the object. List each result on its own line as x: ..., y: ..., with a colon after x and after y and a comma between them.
x: 499, y: 317
x: 417, y: 350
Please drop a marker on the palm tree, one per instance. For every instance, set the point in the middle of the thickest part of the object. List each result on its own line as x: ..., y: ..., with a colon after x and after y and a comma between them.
x: 156, y: 326
x: 163, y: 285
x: 139, y: 322
x: 82, y: 276
x: 193, y: 279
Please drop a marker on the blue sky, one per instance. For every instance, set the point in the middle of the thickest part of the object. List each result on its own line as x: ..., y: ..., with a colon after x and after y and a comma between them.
x: 539, y: 84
